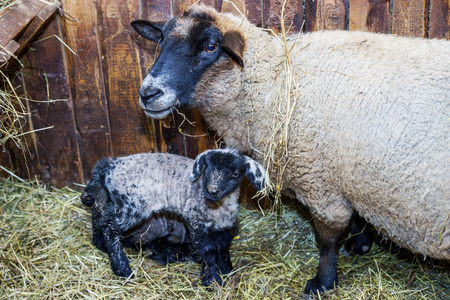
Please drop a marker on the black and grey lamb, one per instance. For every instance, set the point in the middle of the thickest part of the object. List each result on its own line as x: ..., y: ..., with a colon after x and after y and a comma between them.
x: 170, y: 203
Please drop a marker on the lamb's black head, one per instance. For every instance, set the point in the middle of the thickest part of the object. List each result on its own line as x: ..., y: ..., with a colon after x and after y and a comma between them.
x: 190, y: 45
x: 223, y: 170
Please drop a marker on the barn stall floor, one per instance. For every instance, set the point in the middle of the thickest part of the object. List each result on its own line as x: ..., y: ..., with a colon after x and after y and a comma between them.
x: 46, y: 252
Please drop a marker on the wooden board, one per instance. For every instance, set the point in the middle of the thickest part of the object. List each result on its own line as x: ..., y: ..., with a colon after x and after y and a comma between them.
x: 292, y: 15
x: 55, y: 155
x: 122, y: 77
x: 19, y: 23
x: 409, y: 18
x: 372, y: 16
x: 326, y: 15
x: 6, y: 162
x: 439, y: 19
x: 87, y: 86
x: 16, y: 17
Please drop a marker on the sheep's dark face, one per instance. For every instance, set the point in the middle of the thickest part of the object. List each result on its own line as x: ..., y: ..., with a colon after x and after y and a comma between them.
x: 223, y: 171
x: 189, y: 45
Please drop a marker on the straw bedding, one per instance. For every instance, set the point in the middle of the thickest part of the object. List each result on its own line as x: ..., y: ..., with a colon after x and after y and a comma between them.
x: 46, y: 252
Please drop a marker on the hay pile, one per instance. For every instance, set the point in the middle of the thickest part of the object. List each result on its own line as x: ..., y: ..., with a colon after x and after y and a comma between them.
x: 46, y: 252
x: 5, y: 3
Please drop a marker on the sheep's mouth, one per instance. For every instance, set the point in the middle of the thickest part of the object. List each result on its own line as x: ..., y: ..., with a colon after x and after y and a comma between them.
x: 214, y: 198
x: 158, y: 114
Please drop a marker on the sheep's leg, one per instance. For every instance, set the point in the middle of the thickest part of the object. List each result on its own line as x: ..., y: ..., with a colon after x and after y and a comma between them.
x: 223, y: 239
x: 361, y: 238
x: 97, y: 233
x: 119, y: 262
x: 207, y: 250
x: 326, y: 277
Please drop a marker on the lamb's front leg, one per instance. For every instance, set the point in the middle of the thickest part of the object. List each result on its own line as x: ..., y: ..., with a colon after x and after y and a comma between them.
x: 119, y: 262
x: 326, y: 277
x: 203, y: 244
x: 223, y: 239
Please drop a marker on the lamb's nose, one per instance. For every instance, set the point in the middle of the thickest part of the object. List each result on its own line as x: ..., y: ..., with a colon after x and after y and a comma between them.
x: 213, y: 191
x: 148, y: 96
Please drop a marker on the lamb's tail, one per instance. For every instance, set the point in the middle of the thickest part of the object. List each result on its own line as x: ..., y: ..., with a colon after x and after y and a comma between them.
x: 96, y: 188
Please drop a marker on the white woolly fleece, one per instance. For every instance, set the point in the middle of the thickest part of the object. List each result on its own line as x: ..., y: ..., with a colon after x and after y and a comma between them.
x: 370, y: 131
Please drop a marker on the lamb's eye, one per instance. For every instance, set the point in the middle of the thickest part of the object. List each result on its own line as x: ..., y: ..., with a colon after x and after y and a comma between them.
x: 211, y: 48
x: 236, y: 173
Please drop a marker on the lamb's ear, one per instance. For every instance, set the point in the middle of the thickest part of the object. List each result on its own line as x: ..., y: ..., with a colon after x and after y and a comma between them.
x: 255, y: 173
x: 233, y: 44
x: 150, y: 30
x: 199, y: 164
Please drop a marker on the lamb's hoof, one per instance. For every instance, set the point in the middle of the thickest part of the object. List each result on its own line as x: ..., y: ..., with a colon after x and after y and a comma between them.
x: 209, y: 280
x: 359, y: 244
x: 315, y: 286
x: 124, y: 272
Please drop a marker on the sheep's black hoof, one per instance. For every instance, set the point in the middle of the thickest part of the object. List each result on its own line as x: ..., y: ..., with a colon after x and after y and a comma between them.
x: 123, y: 271
x: 225, y: 267
x: 316, y: 286
x: 208, y: 278
x: 359, y: 244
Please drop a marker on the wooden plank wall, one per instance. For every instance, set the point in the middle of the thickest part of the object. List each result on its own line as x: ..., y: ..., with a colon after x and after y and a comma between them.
x: 94, y: 85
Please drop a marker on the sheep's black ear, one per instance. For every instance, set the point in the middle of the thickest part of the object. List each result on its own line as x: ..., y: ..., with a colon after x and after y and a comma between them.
x: 233, y: 44
x: 199, y: 164
x: 150, y: 30
x: 255, y: 173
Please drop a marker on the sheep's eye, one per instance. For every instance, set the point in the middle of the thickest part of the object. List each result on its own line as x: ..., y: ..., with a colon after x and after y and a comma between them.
x: 236, y: 173
x: 211, y: 48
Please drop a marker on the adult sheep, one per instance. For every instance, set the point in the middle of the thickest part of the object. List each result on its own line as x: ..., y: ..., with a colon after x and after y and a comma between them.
x: 369, y: 131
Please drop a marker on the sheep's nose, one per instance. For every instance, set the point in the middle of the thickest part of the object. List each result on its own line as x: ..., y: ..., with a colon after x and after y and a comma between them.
x: 148, y: 96
x: 213, y: 191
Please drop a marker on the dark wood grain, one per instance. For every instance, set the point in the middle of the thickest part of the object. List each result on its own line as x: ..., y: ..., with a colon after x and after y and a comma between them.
x: 326, y: 15
x: 36, y: 17
x: 369, y: 15
x: 440, y: 19
x: 292, y: 15
x: 14, y: 18
x: 409, y: 18
x: 86, y: 84
x: 55, y: 155
x: 130, y: 132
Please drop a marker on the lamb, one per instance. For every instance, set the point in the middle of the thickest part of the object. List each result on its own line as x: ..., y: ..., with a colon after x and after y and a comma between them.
x: 171, y: 204
x: 369, y: 131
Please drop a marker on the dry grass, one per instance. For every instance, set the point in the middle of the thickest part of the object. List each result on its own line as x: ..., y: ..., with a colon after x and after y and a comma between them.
x: 46, y: 252
x: 276, y: 155
x: 13, y: 113
x: 5, y: 3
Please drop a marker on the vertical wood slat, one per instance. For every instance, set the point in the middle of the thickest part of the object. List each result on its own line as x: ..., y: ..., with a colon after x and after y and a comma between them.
x: 293, y: 15
x: 326, y: 14
x: 56, y: 158
x: 372, y: 16
x: 6, y: 162
x: 440, y: 19
x: 409, y: 18
x: 86, y: 84
x: 254, y: 11
x: 130, y: 132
